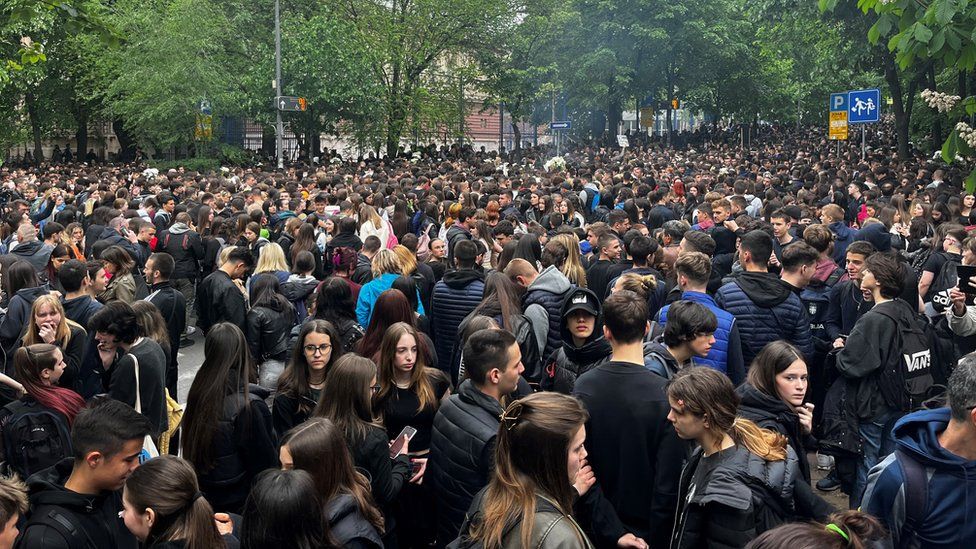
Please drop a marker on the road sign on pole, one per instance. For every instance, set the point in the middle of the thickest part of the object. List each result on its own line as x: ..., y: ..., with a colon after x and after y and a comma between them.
x: 864, y: 106
x: 838, y: 102
x: 290, y: 104
x: 838, y: 125
x: 560, y: 125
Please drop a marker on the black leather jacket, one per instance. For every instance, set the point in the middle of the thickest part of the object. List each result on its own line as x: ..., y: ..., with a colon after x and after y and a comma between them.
x: 267, y: 333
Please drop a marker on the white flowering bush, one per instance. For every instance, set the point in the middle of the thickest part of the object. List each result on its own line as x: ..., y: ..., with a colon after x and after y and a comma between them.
x: 555, y: 164
x: 941, y: 102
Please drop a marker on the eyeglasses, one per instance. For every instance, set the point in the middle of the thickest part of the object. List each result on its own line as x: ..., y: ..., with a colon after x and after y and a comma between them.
x: 323, y: 348
x: 374, y: 389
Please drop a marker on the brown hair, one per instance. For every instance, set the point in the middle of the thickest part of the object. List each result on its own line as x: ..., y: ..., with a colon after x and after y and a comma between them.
x: 318, y: 446
x: 530, y: 457
x: 345, y: 398
x: 773, y: 359
x: 694, y: 265
x: 420, y: 376
x: 844, y: 530
x: 168, y: 485
x: 706, y: 392
x: 13, y: 498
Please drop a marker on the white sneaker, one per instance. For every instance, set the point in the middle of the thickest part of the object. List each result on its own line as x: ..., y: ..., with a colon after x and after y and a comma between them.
x: 825, y: 462
x: 190, y: 330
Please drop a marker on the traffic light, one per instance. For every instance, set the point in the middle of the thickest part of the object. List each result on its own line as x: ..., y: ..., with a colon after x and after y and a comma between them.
x: 302, y: 104
x: 674, y: 103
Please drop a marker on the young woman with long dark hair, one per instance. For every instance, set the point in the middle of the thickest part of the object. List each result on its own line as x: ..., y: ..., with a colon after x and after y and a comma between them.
x: 346, y: 401
x: 391, y: 307
x: 164, y: 508
x: 306, y: 241
x: 334, y: 303
x: 227, y: 431
x: 300, y: 385
x: 283, y: 511
x: 751, y: 467
x: 319, y: 447
x: 539, y: 453
x: 269, y: 323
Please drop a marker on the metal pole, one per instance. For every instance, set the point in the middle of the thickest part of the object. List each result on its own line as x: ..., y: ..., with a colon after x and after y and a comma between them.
x: 279, y: 127
x: 863, y: 132
x: 501, y: 126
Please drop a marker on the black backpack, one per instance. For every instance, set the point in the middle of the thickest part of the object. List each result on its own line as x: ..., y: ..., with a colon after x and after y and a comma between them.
x: 909, y: 379
x: 937, y: 299
x: 815, y: 299
x: 34, y: 437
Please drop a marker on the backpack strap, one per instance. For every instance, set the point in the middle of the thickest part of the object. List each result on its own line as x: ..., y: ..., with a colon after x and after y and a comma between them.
x: 834, y: 277
x: 916, y: 488
x: 65, y: 525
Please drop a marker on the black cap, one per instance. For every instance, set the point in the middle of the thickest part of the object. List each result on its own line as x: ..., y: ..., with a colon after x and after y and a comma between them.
x: 582, y: 299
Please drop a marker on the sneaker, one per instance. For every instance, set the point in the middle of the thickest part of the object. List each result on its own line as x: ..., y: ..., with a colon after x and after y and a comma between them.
x: 829, y: 483
x: 825, y: 462
x: 190, y: 330
x: 186, y: 342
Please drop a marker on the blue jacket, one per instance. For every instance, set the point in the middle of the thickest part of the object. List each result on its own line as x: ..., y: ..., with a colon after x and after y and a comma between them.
x: 765, y: 309
x: 455, y: 295
x: 843, y: 236
x: 946, y: 519
x: 371, y: 291
x: 726, y: 353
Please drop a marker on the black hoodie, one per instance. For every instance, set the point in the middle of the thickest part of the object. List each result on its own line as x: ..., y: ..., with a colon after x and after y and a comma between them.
x: 569, y: 361
x: 96, y: 517
x: 764, y: 289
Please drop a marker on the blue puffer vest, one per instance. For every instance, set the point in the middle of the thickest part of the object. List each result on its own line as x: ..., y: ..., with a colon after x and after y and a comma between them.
x: 759, y: 326
x: 719, y: 355
x: 456, y: 295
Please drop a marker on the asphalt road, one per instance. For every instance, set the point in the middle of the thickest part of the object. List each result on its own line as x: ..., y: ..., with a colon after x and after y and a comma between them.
x: 190, y: 359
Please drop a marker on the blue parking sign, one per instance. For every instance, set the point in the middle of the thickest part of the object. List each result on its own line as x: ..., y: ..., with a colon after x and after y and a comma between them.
x: 838, y: 102
x: 863, y: 106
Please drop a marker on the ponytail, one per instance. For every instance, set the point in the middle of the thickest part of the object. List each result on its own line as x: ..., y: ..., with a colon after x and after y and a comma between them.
x: 198, y: 524
x: 769, y: 445
x: 845, y: 530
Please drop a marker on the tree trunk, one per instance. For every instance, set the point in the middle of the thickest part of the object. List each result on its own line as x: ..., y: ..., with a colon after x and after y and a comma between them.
x: 902, y: 116
x: 127, y: 145
x: 613, y: 120
x: 516, y: 136
x: 35, y: 123
x: 670, y: 114
x: 81, y: 132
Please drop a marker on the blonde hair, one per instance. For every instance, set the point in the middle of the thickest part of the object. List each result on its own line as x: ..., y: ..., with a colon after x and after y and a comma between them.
x: 368, y: 213
x: 406, y: 258
x: 385, y: 261
x: 642, y: 285
x: 573, y: 266
x: 271, y: 259
x: 62, y: 334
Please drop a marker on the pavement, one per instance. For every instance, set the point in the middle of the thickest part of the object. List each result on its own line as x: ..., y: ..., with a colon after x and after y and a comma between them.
x: 189, y: 359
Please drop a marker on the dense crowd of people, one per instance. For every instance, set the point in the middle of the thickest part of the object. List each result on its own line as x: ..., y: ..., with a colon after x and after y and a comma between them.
x: 650, y: 348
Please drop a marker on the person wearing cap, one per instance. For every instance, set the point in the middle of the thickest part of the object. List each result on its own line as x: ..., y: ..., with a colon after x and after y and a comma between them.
x: 584, y: 346
x: 454, y: 297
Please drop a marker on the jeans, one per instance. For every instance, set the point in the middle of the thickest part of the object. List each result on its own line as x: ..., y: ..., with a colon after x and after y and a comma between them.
x: 269, y: 372
x: 878, y: 442
x: 188, y: 288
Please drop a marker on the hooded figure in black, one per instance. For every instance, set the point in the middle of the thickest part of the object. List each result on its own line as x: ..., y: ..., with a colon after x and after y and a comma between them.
x: 583, y: 349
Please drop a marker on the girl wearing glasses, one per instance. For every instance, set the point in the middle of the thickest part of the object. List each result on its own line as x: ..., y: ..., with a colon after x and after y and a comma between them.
x: 300, y: 385
x: 346, y: 401
x: 409, y: 394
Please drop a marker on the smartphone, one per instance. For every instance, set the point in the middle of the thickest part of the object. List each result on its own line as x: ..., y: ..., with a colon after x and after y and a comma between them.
x: 965, y: 272
x: 396, y: 447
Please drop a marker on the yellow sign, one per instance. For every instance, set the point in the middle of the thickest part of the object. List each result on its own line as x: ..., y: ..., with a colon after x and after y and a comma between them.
x: 647, y: 117
x: 204, y: 128
x: 838, y: 126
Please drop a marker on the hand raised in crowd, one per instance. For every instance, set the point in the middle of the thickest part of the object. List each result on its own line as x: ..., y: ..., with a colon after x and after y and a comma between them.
x: 585, y: 478
x: 958, y: 299
x: 805, y: 413
x: 48, y: 333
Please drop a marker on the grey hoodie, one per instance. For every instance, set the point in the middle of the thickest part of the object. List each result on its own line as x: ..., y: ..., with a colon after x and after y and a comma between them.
x: 553, y: 281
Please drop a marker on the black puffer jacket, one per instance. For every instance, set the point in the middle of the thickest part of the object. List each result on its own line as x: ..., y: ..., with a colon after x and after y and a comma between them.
x: 244, y: 445
x: 461, y: 452
x: 569, y: 361
x: 456, y: 295
x: 348, y: 526
x: 543, y: 304
x: 772, y: 413
x: 267, y: 333
x: 726, y: 507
